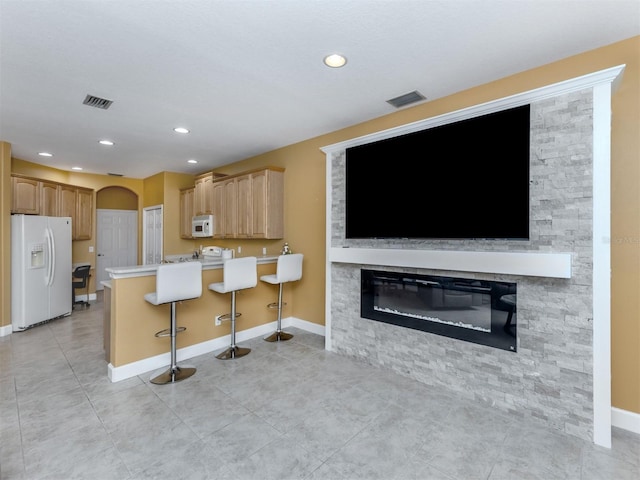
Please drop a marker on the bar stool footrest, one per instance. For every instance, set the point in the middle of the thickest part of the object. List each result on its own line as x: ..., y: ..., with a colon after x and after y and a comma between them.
x: 275, y: 305
x: 227, y: 316
x: 167, y: 332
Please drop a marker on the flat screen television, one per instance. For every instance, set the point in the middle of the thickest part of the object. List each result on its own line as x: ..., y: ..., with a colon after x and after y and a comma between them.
x: 464, y: 180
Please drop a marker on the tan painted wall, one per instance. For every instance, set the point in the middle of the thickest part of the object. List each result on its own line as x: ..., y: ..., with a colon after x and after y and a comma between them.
x: 5, y: 234
x: 153, y: 190
x: 116, y: 198
x: 305, y: 196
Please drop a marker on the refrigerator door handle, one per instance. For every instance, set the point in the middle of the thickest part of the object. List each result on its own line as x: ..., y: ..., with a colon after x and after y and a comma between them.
x: 51, y: 265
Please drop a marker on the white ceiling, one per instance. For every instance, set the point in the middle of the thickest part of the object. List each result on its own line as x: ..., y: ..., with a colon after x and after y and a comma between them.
x: 247, y: 76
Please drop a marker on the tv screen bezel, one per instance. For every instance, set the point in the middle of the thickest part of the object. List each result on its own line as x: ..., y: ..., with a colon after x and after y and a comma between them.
x: 376, y: 178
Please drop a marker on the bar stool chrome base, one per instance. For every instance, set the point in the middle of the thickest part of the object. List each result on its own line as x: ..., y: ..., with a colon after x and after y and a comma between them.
x: 233, y: 352
x: 278, y: 337
x: 173, y: 375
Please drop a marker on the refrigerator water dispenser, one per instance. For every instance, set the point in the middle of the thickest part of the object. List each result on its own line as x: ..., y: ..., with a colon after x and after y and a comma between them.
x: 37, y: 256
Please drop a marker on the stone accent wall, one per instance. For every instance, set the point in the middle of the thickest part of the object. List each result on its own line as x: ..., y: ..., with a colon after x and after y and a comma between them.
x: 551, y: 375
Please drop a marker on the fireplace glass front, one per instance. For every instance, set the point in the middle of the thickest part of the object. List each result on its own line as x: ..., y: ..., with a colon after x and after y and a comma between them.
x: 472, y: 310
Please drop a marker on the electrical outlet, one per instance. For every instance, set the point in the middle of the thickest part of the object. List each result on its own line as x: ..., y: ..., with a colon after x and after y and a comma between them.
x: 218, y: 322
x: 264, y: 250
x: 239, y: 249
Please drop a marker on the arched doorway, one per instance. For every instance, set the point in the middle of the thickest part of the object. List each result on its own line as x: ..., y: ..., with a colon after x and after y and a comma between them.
x: 116, y: 230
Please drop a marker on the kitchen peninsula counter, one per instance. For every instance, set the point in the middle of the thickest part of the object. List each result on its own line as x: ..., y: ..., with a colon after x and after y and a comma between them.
x: 134, y: 349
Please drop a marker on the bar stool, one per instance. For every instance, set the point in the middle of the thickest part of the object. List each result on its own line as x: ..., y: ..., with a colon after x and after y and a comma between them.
x: 175, y: 282
x: 289, y: 269
x: 238, y: 274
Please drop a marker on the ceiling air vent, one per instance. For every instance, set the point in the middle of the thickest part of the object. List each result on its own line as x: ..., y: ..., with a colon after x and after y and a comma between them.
x: 97, y: 102
x: 115, y: 174
x: 406, y: 99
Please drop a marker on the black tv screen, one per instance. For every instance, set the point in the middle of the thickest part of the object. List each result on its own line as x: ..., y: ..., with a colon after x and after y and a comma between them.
x: 463, y: 180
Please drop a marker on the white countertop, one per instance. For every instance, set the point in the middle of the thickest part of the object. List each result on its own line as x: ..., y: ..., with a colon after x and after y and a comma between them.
x: 208, y: 263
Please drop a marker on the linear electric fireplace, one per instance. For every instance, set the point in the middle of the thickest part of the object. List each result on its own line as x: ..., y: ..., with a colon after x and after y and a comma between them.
x: 472, y: 310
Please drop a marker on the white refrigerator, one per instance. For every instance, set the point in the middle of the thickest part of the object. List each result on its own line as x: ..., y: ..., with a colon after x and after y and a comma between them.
x: 40, y: 269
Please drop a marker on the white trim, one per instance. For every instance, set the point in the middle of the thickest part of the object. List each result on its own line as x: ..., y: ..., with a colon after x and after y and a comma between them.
x: 6, y: 330
x: 327, y: 256
x: 625, y: 419
x: 601, y: 284
x: 304, y: 325
x: 149, y: 365
x: 555, y: 265
x: 83, y: 297
x: 602, y: 82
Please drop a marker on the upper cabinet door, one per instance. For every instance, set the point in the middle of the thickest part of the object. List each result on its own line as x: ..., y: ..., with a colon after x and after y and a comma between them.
x: 218, y: 209
x: 25, y: 196
x: 186, y: 212
x: 267, y: 191
x: 49, y: 199
x: 84, y: 214
x: 244, y: 207
x: 203, y: 195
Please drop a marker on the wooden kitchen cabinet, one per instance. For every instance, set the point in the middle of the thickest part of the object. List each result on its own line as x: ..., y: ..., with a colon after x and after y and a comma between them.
x: 77, y: 203
x: 267, y: 204
x: 49, y: 199
x: 42, y: 197
x: 230, y: 213
x: 84, y: 215
x: 250, y: 205
x: 186, y: 211
x: 203, y: 195
x: 25, y: 195
x: 244, y: 207
x: 225, y: 208
x: 218, y: 209
x: 68, y: 195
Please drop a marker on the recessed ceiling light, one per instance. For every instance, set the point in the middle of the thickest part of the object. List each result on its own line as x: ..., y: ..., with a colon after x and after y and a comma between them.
x: 335, y: 60
x: 45, y: 154
x: 106, y: 142
x: 76, y: 168
x: 192, y: 161
x: 181, y: 130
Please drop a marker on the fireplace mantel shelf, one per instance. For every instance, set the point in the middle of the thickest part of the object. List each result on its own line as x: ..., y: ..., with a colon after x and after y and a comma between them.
x: 551, y: 265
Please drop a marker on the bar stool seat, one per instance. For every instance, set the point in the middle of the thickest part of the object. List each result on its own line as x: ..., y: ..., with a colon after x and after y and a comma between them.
x: 175, y: 282
x: 238, y: 274
x: 288, y: 269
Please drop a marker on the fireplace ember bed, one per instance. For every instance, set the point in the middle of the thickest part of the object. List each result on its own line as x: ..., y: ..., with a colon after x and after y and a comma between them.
x: 472, y: 310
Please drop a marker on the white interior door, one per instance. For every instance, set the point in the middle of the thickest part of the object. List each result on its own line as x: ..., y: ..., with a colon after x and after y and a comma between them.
x: 152, y: 235
x: 117, y: 243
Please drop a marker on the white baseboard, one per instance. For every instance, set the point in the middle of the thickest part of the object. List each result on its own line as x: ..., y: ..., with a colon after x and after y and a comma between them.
x: 625, y: 419
x: 6, y: 330
x: 304, y: 325
x: 151, y: 364
x: 83, y: 298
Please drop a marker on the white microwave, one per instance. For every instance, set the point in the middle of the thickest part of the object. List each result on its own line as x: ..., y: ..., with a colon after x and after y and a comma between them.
x: 202, y: 226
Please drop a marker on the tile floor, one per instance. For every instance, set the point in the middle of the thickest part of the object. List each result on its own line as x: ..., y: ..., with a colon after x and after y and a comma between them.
x: 285, y: 411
